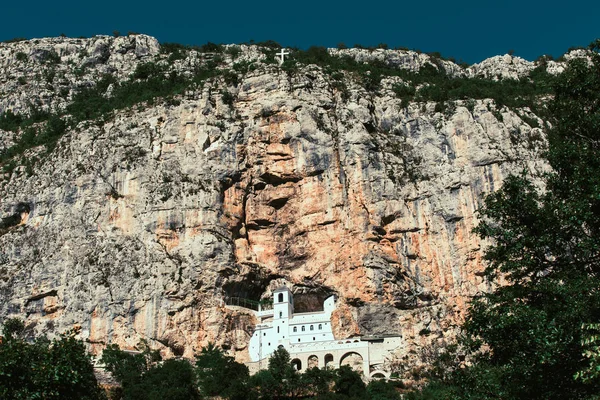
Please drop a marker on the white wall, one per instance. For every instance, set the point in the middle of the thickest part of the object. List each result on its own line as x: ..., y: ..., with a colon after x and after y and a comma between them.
x: 280, y: 329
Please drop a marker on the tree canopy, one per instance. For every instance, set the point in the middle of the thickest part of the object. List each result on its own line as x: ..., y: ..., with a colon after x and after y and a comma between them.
x: 219, y: 374
x: 533, y: 336
x: 143, y: 376
x: 44, y: 369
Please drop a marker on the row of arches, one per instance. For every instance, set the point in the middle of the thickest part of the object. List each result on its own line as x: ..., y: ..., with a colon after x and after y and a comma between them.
x: 353, y: 359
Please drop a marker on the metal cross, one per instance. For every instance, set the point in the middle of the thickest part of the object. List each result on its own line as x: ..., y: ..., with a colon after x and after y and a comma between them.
x: 282, y: 54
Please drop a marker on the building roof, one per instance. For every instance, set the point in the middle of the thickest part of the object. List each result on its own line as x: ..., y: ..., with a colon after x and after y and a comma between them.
x: 282, y: 289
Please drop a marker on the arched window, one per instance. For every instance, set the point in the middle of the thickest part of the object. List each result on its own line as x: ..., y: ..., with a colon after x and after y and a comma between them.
x: 277, y: 329
x: 280, y: 314
x: 280, y: 298
x: 312, y: 327
x: 353, y: 360
x: 297, y: 364
x: 303, y: 328
x: 295, y: 329
x: 328, y: 360
x: 320, y: 326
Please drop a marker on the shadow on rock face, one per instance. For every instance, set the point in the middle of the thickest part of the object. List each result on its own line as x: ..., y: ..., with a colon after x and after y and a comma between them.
x: 310, y: 298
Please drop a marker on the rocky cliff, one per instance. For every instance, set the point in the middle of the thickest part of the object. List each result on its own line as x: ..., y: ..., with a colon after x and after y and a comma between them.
x: 140, y: 225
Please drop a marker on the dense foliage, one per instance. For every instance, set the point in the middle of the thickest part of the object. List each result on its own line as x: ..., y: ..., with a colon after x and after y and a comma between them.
x: 535, y: 336
x: 143, y: 376
x: 220, y: 375
x: 43, y: 369
x: 281, y: 381
x: 61, y: 369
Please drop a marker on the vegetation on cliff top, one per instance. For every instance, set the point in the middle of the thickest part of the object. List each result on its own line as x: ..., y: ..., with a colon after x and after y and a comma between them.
x: 431, y: 82
x: 159, y: 80
x: 148, y: 82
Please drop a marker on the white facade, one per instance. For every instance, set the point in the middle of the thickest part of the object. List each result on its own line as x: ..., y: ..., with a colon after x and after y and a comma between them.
x: 282, y: 327
x: 308, y: 337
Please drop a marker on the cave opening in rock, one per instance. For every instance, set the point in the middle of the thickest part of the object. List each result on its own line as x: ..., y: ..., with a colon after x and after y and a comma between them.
x: 310, y: 299
x: 247, y: 290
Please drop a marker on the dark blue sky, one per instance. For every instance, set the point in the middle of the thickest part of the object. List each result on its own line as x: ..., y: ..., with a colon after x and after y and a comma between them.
x: 469, y: 30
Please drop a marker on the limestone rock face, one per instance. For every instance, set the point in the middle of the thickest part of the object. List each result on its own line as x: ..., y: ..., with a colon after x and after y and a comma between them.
x: 45, y: 73
x: 496, y: 68
x: 404, y: 59
x: 502, y: 67
x: 512, y: 67
x: 141, y: 227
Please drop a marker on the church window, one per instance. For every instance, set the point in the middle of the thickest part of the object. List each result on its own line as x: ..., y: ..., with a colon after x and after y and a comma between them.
x: 280, y: 314
x: 277, y: 329
x: 320, y: 326
x: 280, y: 298
x: 295, y: 329
x: 303, y: 328
x: 312, y: 327
x: 313, y: 338
x: 298, y: 339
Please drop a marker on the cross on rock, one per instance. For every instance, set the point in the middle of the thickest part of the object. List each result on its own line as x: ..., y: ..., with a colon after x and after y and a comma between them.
x: 282, y: 54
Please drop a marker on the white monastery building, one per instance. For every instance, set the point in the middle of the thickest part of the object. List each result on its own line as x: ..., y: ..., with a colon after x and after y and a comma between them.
x: 309, y: 339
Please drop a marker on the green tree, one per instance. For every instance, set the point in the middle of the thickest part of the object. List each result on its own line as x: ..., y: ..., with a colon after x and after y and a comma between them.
x: 280, y: 364
x: 264, y: 386
x: 143, y: 377
x: 591, y: 345
x: 317, y: 381
x: 220, y: 375
x: 287, y: 378
x: 44, y: 369
x: 172, y: 379
x: 128, y: 367
x: 526, y: 335
x: 382, y: 390
x: 280, y: 380
x: 349, y: 383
